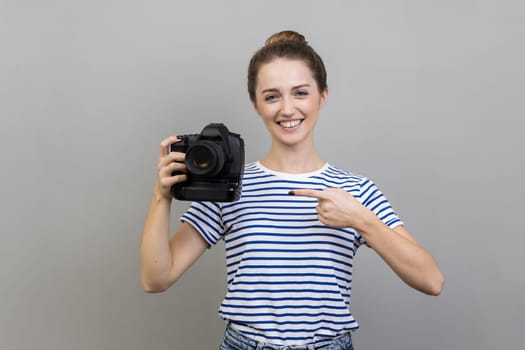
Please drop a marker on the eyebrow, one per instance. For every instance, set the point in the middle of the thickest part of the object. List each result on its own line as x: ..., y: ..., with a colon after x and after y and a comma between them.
x: 293, y: 88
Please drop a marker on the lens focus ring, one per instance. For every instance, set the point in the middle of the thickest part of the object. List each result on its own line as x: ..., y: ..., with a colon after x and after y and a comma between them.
x: 204, y: 158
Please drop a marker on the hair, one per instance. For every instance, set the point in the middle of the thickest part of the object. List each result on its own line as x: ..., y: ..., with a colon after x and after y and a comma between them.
x: 290, y: 45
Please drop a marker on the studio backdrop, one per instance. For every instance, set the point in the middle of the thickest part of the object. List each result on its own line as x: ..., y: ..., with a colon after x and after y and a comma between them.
x: 426, y: 99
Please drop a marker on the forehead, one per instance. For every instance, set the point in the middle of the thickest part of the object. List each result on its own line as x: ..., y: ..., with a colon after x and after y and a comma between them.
x: 282, y: 73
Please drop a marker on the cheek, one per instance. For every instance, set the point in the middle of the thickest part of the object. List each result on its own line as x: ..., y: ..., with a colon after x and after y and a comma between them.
x: 314, y: 108
x: 266, y: 113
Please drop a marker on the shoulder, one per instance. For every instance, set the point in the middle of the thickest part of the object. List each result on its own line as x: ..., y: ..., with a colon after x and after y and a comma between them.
x: 253, y: 172
x: 252, y: 167
x: 344, y: 178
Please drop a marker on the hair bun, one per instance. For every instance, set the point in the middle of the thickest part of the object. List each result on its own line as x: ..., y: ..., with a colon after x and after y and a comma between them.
x: 285, y: 35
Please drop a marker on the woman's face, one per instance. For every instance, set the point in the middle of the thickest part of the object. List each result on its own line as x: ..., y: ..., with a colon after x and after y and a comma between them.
x: 288, y: 101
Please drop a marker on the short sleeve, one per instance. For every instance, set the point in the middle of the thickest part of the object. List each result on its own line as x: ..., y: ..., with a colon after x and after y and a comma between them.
x: 372, y: 198
x: 207, y: 219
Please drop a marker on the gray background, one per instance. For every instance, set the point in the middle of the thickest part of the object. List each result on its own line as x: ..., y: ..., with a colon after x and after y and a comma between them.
x: 426, y: 99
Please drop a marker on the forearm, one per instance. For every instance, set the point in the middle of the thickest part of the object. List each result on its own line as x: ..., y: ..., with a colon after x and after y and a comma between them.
x: 409, y: 260
x: 155, y: 253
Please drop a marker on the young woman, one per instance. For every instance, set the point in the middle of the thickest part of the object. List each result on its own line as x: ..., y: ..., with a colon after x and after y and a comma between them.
x: 291, y: 238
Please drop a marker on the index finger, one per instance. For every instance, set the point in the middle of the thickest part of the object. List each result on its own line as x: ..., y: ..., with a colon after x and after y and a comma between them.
x: 319, y: 194
x: 165, y: 144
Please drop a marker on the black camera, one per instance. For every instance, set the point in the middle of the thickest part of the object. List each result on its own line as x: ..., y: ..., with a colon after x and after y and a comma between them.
x: 214, y: 162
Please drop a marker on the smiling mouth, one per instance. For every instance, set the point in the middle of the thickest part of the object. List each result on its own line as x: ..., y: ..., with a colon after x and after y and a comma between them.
x: 290, y: 123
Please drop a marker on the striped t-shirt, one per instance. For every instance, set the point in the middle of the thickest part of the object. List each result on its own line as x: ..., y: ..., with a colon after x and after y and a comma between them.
x: 289, y: 276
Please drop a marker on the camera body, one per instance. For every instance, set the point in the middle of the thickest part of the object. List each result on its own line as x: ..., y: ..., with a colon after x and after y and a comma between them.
x: 215, y: 165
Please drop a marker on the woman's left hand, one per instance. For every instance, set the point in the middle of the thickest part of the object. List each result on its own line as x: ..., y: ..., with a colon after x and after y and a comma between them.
x: 338, y: 208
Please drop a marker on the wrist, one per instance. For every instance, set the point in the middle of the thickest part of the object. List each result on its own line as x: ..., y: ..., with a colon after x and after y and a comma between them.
x: 161, y: 196
x: 369, y: 225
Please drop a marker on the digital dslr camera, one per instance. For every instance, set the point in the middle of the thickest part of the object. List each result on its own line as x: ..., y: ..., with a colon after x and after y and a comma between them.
x: 214, y: 162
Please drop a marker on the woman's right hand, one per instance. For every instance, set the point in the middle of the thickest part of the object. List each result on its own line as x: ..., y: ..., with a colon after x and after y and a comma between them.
x: 169, y: 162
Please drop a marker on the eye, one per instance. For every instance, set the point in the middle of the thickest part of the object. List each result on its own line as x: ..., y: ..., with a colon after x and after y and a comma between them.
x: 270, y: 97
x: 301, y: 93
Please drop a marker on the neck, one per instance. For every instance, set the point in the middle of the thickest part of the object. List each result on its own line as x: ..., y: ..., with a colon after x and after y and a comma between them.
x: 293, y: 160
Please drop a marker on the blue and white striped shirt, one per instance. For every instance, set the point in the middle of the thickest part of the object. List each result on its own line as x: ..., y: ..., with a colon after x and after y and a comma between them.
x: 289, y: 276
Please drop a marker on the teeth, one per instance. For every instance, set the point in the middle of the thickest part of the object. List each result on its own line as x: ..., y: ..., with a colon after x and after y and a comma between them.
x: 290, y: 124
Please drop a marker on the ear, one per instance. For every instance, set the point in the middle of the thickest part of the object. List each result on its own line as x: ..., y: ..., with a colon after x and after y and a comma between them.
x: 324, y: 96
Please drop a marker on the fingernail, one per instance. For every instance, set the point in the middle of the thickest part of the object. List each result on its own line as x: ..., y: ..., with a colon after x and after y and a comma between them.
x: 291, y: 193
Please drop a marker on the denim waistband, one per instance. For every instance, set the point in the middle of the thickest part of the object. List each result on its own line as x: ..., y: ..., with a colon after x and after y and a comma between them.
x: 234, y: 340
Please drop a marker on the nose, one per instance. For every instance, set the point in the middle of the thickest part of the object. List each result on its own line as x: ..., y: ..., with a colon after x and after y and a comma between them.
x: 287, y: 107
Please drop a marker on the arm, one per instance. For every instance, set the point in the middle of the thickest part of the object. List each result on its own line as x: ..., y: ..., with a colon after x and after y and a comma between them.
x: 164, y: 260
x: 409, y: 260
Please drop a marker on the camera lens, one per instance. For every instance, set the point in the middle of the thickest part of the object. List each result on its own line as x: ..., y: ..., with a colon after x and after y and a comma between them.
x: 204, y: 158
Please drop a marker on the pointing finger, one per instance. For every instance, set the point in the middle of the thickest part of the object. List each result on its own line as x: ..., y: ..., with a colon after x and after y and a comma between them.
x: 308, y: 193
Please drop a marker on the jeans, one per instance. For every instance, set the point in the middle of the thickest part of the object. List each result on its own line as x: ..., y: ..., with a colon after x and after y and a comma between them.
x: 234, y: 340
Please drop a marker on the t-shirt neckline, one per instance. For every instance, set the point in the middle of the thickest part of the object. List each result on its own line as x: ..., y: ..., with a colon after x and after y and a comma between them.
x: 292, y: 175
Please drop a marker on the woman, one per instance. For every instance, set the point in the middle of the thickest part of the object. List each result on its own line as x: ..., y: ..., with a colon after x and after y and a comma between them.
x: 291, y: 238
